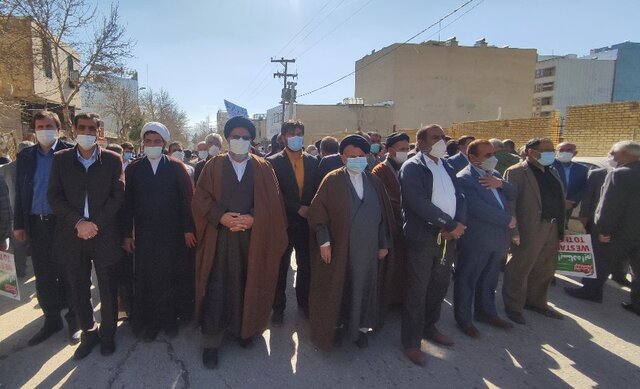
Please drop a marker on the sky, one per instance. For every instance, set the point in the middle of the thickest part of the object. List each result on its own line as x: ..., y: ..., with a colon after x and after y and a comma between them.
x: 202, y: 52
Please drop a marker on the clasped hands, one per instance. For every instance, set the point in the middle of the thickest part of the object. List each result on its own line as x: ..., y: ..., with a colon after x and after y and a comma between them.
x: 86, y: 230
x: 237, y: 222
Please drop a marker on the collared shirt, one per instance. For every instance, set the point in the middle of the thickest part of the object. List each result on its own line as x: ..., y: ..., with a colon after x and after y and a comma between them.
x: 567, y: 174
x: 493, y: 190
x: 443, y: 193
x: 239, y: 167
x: 297, y: 162
x: 551, y: 198
x: 87, y: 164
x: 356, y: 181
x: 39, y: 201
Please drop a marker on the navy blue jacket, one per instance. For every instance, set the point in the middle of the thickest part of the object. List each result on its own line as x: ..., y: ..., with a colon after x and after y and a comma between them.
x: 487, y: 221
x: 577, y: 180
x: 421, y: 218
x: 25, y: 170
x: 458, y: 162
x: 328, y: 164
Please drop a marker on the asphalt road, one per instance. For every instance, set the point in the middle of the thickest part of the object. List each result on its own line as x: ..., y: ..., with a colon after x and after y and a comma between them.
x: 596, y: 345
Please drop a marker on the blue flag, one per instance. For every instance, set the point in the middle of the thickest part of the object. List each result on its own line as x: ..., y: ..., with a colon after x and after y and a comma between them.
x: 235, y: 110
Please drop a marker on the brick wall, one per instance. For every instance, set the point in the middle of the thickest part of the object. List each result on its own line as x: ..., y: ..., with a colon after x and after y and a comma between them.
x: 519, y: 130
x: 595, y: 128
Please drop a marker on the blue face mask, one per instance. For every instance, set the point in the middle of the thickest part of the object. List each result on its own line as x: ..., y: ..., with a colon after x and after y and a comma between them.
x: 295, y: 143
x: 128, y: 156
x: 357, y: 164
x: 546, y: 158
x: 375, y: 148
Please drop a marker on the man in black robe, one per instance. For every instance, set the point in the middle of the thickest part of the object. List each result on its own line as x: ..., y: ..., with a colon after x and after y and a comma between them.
x: 158, y: 227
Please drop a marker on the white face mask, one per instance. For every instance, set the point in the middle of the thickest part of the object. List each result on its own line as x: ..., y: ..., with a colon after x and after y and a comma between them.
x: 564, y: 157
x: 86, y: 142
x: 438, y: 150
x: 46, y: 137
x: 239, y: 146
x: 153, y: 152
x: 214, y: 150
x: 179, y: 155
x: 202, y: 154
x: 401, y: 156
x: 489, y: 164
x: 612, y: 162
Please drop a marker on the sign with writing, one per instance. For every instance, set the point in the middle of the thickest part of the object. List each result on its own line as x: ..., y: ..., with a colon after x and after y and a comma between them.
x: 8, y: 276
x: 234, y: 110
x: 575, y: 256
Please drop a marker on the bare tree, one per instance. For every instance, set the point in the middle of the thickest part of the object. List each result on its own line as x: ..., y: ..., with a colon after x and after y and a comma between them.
x: 199, y: 131
x: 161, y: 107
x: 64, y: 26
x: 120, y: 103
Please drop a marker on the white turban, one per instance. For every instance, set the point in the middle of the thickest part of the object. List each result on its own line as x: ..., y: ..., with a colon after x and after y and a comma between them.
x: 156, y: 127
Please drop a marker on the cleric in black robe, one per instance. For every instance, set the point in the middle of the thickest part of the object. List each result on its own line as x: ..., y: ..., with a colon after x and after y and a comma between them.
x: 158, y: 228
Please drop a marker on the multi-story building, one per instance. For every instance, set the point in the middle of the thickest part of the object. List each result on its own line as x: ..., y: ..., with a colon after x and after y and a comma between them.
x: 442, y: 82
x: 221, y: 120
x: 28, y: 81
x: 608, y: 74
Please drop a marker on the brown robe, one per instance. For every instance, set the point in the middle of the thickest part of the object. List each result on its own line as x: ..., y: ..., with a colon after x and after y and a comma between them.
x: 268, y: 240
x: 395, y: 272
x: 331, y: 207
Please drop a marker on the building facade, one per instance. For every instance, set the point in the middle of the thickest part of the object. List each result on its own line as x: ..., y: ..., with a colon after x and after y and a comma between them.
x: 442, y: 82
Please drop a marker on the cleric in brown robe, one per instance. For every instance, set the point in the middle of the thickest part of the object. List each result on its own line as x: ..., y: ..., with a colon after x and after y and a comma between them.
x: 349, y: 218
x: 395, y: 271
x: 242, y: 234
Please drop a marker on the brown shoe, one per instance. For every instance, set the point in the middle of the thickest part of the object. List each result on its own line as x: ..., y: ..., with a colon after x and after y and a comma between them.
x: 416, y: 356
x: 495, y: 322
x: 470, y: 330
x: 441, y: 339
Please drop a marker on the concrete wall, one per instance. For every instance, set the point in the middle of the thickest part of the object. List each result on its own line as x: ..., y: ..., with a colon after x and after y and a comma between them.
x: 581, y: 82
x: 439, y: 84
x: 519, y: 130
x: 627, y: 81
x: 595, y: 128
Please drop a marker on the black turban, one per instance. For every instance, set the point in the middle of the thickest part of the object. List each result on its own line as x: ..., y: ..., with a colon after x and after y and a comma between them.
x: 397, y: 137
x: 355, y: 140
x: 239, y: 121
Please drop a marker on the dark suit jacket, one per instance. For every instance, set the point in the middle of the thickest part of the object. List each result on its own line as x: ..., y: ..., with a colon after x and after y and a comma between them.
x: 619, y: 209
x: 577, y: 180
x: 198, y: 169
x: 288, y: 185
x: 487, y: 221
x: 421, y: 217
x: 103, y: 183
x: 327, y: 165
x: 458, y: 162
x: 25, y: 170
x: 595, y: 182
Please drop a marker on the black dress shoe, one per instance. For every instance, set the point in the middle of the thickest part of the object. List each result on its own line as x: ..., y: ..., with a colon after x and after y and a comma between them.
x: 630, y: 307
x: 516, y: 317
x: 74, y: 335
x: 45, y: 332
x: 172, y: 331
x: 107, y: 346
x: 546, y: 311
x: 363, y: 340
x: 246, y: 343
x: 277, y: 318
x: 580, y: 293
x: 210, y: 358
x: 88, y: 341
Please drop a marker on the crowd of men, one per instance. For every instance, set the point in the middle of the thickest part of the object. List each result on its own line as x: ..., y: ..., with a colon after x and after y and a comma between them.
x: 374, y: 224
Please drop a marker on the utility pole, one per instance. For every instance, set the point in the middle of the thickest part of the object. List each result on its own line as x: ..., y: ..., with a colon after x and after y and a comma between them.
x: 287, y: 95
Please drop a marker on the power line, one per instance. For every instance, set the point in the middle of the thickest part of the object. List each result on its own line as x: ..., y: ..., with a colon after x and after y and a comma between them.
x: 391, y: 50
x: 306, y: 25
x: 334, y: 29
x: 318, y: 25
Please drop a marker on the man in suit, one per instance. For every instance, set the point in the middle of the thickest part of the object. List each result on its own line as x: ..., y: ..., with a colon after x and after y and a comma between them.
x: 34, y: 220
x: 539, y: 211
x: 213, y: 147
x: 486, y: 240
x: 460, y: 160
x: 572, y: 174
x: 330, y: 159
x: 297, y: 176
x: 86, y: 191
x: 19, y: 249
x: 616, y: 220
x: 433, y: 212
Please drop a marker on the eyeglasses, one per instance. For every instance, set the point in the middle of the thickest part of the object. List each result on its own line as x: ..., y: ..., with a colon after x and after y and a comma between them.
x: 236, y: 137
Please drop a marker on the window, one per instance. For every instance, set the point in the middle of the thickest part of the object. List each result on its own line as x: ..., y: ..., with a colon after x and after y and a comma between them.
x: 546, y: 101
x: 69, y: 64
x: 47, y: 59
x: 545, y: 113
x: 546, y: 72
x: 544, y: 87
